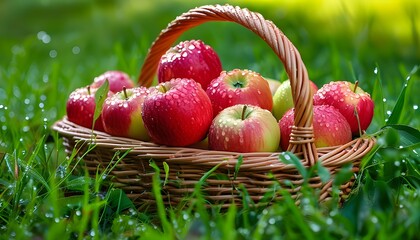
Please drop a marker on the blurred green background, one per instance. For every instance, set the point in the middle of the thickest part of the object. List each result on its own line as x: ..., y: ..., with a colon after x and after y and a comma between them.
x: 85, y: 33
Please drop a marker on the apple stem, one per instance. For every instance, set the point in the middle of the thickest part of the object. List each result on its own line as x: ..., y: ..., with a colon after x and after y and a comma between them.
x: 88, y: 89
x: 163, y: 88
x: 356, y: 84
x: 356, y: 113
x: 243, y: 112
x: 125, y: 93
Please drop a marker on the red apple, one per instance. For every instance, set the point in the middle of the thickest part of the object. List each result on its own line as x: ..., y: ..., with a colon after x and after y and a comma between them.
x: 330, y: 127
x: 283, y: 99
x: 239, y: 87
x: 177, y: 113
x: 121, y: 114
x: 244, y: 128
x: 355, y: 104
x: 190, y: 59
x: 117, y: 81
x: 80, y: 108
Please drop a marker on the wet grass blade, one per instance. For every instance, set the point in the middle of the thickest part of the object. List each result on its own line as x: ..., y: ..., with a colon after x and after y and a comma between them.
x: 397, y: 111
x: 100, y: 96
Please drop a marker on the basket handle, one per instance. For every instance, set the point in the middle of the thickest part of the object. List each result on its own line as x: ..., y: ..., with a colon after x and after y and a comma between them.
x: 302, y: 137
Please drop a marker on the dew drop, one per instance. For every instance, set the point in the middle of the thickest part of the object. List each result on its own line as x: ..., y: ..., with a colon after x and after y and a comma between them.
x: 45, y: 78
x: 75, y: 50
x: 53, y: 53
x: 44, y: 37
x: 415, y: 107
x: 315, y: 227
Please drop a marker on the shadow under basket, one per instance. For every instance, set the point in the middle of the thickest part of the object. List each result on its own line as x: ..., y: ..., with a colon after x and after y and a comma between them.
x: 187, y: 165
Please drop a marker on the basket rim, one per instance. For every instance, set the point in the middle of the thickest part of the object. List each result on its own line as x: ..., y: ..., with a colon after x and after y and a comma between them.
x: 330, y: 157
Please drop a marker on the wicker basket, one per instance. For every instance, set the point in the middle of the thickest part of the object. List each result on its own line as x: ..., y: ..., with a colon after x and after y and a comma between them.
x: 258, y: 171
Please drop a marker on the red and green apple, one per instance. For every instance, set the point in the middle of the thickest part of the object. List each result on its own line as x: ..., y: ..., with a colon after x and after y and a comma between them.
x: 330, y: 127
x: 353, y: 103
x: 239, y: 87
x: 121, y: 113
x: 80, y: 108
x: 244, y: 128
x: 283, y: 99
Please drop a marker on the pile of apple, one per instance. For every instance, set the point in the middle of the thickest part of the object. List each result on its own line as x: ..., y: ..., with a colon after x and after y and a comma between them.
x: 197, y: 103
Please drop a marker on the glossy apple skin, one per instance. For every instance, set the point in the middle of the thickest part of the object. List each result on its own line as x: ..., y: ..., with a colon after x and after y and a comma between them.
x: 178, y: 113
x: 117, y: 80
x: 340, y: 94
x: 257, y: 132
x: 190, y: 59
x: 121, y: 114
x: 283, y: 99
x: 239, y: 87
x: 330, y: 127
x: 274, y: 84
x: 80, y: 108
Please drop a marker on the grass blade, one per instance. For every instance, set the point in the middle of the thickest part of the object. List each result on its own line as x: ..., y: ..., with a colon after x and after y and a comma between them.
x: 399, y: 105
x: 290, y: 158
x: 100, y: 96
x: 238, y: 166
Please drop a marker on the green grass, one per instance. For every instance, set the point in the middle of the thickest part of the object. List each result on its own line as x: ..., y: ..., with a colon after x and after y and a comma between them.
x: 48, y: 48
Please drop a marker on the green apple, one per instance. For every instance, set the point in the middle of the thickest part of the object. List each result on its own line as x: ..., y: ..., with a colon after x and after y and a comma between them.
x: 274, y: 84
x: 283, y: 100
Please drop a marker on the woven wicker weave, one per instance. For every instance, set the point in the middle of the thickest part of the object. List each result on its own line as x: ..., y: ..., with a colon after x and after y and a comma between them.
x: 187, y: 165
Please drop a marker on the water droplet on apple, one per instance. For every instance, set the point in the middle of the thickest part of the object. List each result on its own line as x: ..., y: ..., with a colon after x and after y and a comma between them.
x: 226, y: 139
x: 158, y: 104
x: 184, y: 54
x: 223, y: 133
x: 327, y: 125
